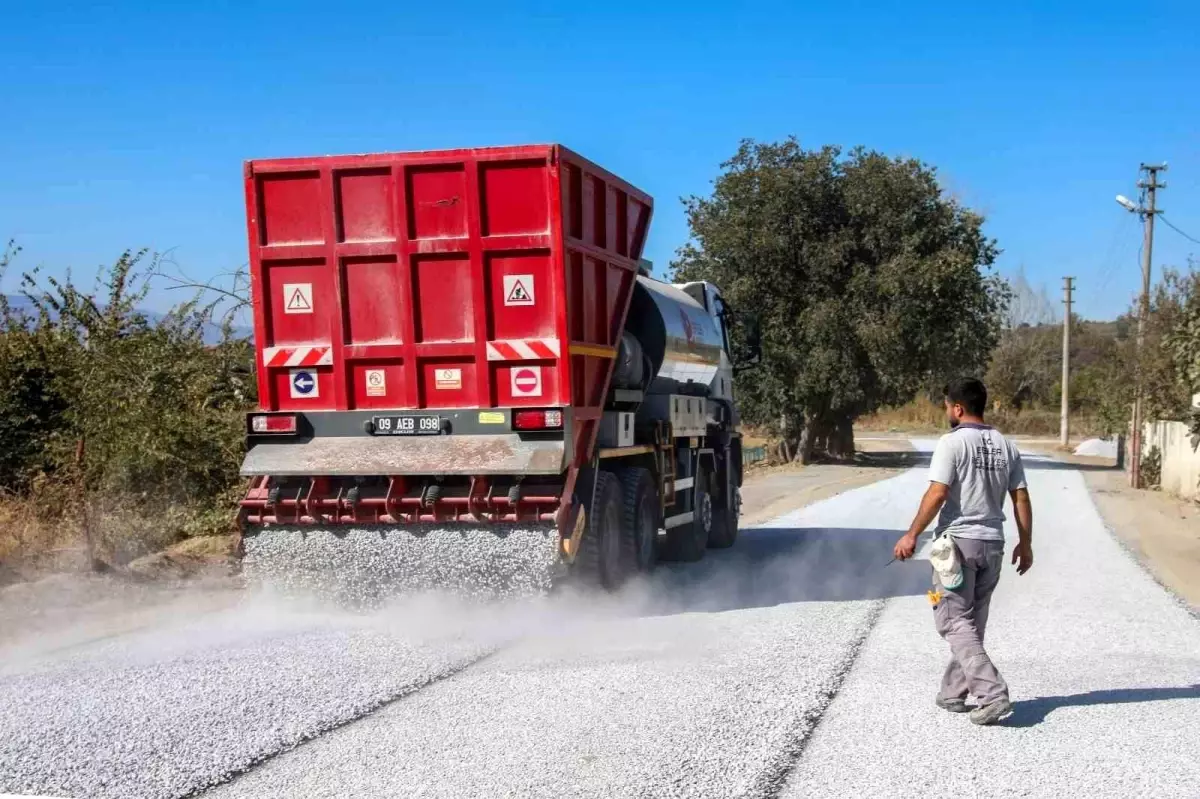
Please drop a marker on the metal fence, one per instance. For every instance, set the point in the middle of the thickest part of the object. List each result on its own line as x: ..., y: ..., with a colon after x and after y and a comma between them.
x: 753, y: 455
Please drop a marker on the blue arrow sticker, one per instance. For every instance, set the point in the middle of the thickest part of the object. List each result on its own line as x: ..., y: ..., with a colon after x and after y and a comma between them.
x: 304, y: 384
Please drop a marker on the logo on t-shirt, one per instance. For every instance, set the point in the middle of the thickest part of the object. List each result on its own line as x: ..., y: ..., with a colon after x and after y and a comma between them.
x: 988, y: 456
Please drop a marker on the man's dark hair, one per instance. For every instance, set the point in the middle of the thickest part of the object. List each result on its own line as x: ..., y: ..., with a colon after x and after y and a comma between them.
x: 969, y: 393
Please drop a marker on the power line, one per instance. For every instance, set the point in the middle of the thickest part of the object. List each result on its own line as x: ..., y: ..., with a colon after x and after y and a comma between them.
x: 1171, y: 225
x: 1112, y: 264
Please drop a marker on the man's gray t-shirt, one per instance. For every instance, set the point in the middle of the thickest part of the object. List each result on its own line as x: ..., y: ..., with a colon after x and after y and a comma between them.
x: 980, y: 466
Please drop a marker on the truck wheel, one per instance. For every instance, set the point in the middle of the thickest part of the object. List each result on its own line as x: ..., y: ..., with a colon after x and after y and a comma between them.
x: 687, y: 542
x: 639, y: 522
x: 599, y: 561
x: 725, y: 520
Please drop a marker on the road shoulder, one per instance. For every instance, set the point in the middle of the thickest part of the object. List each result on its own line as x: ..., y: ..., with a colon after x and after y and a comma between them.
x: 1162, y: 531
x: 769, y: 492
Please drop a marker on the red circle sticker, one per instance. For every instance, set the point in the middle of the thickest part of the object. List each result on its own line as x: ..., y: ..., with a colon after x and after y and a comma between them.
x: 526, y: 382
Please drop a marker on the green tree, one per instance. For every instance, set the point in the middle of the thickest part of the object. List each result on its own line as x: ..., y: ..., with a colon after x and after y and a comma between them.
x: 1025, y: 367
x: 870, y: 284
x: 31, y: 405
x: 1182, y: 340
x: 1165, y: 395
x: 1109, y: 381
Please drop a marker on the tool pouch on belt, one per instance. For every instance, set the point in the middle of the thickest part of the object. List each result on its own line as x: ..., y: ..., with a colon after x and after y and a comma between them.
x: 946, y: 564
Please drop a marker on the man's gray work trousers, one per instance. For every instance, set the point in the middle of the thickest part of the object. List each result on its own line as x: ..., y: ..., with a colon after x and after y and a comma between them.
x: 961, y: 618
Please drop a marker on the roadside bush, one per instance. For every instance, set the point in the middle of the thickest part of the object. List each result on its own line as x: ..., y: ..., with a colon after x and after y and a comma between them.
x: 106, y: 416
x: 1151, y: 471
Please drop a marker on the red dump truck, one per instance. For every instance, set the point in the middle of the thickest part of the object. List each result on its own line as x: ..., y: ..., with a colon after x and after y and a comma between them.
x: 466, y: 343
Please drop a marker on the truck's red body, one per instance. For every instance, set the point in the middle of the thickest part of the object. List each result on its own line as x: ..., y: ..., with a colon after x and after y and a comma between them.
x: 399, y: 262
x: 458, y: 279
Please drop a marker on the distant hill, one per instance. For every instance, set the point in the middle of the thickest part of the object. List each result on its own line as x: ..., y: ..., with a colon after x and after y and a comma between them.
x: 1116, y: 328
x: 212, y: 333
x: 1113, y: 328
x: 19, y: 303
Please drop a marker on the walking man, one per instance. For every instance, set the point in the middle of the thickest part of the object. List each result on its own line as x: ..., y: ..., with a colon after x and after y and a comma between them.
x: 973, y: 467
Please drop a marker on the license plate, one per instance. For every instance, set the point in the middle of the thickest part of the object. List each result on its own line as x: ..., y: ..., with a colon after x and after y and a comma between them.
x: 407, y: 425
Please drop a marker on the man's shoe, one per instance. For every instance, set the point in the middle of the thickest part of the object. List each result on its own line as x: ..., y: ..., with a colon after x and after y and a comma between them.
x: 991, y: 713
x: 952, y: 705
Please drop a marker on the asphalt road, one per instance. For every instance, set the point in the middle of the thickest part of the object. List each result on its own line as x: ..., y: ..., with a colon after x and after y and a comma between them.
x: 796, y: 664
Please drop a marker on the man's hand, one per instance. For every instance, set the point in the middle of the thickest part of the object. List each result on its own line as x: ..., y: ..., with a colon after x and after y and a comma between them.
x: 1022, y: 558
x: 1023, y: 510
x: 931, y: 503
x: 905, y: 547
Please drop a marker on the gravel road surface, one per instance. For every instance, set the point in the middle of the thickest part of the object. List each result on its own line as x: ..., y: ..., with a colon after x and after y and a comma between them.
x: 1103, y: 665
x: 796, y: 664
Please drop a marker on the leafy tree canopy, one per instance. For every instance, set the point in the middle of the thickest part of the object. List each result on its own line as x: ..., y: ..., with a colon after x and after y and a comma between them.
x: 869, y: 282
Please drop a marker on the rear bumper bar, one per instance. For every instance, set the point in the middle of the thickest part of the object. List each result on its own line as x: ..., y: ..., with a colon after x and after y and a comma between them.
x: 366, y: 456
x: 322, y: 500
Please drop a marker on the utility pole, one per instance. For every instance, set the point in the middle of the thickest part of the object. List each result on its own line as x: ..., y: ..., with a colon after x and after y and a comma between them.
x: 1150, y: 186
x: 1065, y: 427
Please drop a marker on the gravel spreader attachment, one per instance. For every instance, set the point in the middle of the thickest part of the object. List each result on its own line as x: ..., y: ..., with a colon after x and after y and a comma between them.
x: 368, y: 564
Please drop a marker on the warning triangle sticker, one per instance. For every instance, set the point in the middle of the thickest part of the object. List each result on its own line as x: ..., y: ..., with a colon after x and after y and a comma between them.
x: 519, y: 290
x: 298, y: 302
x: 518, y: 293
x: 297, y: 298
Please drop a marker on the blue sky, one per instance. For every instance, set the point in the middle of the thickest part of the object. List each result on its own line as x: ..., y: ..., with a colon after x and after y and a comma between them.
x: 126, y: 125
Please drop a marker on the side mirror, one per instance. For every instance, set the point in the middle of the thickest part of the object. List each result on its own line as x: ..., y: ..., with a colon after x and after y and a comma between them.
x: 750, y: 351
x: 752, y: 337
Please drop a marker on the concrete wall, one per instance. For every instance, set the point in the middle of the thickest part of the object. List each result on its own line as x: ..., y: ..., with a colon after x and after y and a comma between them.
x: 1180, y: 463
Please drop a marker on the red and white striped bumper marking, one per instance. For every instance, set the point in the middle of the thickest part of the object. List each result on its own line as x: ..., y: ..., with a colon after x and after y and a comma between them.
x: 298, y: 356
x: 526, y: 349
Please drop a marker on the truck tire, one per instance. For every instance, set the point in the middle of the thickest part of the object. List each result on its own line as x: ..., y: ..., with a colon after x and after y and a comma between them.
x: 687, y: 542
x: 600, y: 560
x: 724, y: 530
x: 639, y: 520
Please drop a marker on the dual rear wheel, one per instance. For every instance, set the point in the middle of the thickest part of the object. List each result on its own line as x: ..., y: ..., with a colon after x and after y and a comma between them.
x: 714, y: 522
x: 621, y: 538
x: 622, y: 528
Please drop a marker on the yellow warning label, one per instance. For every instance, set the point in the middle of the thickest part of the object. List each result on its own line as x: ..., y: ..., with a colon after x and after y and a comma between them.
x: 490, y: 417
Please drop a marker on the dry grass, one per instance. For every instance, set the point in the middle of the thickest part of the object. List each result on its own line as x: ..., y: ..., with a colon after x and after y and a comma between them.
x: 913, y: 417
x: 34, y: 536
x: 43, y: 532
x: 920, y: 416
x: 207, y: 555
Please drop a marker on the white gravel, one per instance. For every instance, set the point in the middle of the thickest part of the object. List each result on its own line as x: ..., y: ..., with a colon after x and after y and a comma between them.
x: 693, y: 705
x: 796, y: 664
x: 160, y: 714
x: 1103, y: 665
x: 711, y: 696
x: 1098, y: 448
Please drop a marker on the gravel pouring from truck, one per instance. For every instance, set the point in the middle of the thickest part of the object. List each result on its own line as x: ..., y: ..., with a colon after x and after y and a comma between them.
x: 463, y: 349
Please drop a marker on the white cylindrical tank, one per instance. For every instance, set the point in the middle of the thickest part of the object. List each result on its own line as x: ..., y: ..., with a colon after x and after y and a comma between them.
x: 678, y: 336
